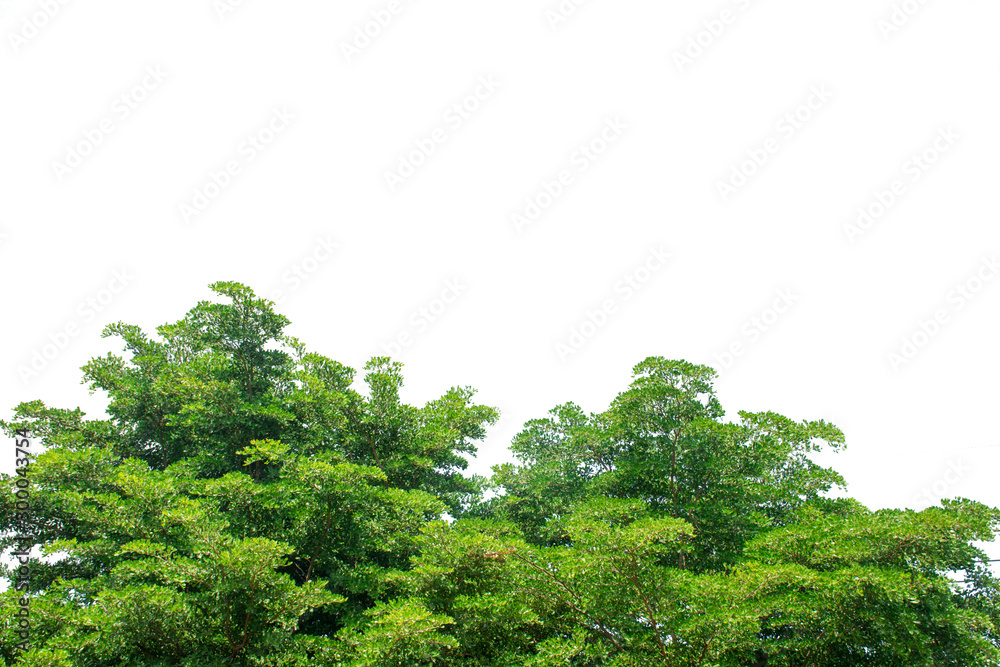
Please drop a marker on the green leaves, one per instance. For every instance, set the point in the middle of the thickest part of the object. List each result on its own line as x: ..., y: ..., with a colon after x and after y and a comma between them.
x: 662, y: 442
x: 625, y: 525
x: 400, y: 633
x: 935, y: 540
x: 245, y: 504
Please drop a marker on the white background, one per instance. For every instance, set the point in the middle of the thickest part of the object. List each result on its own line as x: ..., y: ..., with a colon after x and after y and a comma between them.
x: 926, y: 424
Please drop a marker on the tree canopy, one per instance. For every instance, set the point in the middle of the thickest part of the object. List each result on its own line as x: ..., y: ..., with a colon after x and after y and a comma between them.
x: 247, y: 502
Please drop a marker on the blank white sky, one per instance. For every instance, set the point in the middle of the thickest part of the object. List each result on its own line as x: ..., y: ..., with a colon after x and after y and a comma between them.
x: 677, y: 132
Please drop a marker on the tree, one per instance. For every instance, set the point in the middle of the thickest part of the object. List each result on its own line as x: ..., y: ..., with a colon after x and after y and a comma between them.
x: 239, y: 491
x: 662, y: 441
x: 244, y: 504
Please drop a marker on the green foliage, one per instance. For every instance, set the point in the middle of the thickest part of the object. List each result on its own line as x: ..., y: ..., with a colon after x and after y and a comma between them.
x: 663, y: 442
x: 244, y: 504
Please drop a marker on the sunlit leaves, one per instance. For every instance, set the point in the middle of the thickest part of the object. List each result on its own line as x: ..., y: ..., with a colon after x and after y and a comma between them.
x: 245, y: 503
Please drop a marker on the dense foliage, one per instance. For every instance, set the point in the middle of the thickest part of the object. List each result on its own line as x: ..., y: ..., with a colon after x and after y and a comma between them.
x: 244, y: 504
